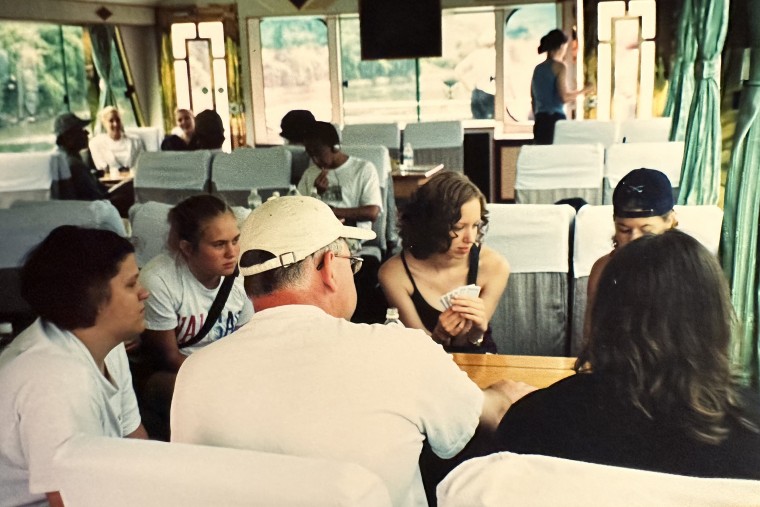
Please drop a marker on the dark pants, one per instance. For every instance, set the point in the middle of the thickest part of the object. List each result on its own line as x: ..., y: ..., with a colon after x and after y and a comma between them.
x: 481, y: 104
x: 543, y: 128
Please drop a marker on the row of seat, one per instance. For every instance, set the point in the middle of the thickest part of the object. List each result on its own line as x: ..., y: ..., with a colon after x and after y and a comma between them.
x: 609, y: 132
x: 549, y: 173
x: 128, y: 472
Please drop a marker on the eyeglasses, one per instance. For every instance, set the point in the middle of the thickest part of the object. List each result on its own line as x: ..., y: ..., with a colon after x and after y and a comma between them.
x: 356, y: 262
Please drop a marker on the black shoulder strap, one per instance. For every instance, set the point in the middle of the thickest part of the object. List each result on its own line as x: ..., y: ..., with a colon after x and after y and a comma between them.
x: 472, y: 274
x: 216, y: 309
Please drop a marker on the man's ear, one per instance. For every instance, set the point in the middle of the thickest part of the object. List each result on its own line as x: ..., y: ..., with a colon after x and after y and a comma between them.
x: 328, y: 271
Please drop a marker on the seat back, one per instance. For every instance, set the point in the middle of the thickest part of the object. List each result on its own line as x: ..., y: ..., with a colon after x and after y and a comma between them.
x: 666, y: 157
x: 549, y: 173
x: 172, y: 176
x: 128, y: 472
x: 25, y: 224
x: 594, y: 229
x: 385, y: 134
x: 646, y: 130
x: 531, y: 481
x: 150, y: 136
x: 29, y: 176
x: 380, y: 158
x: 437, y: 142
x: 605, y: 132
x: 532, y: 315
x: 299, y: 161
x: 235, y: 174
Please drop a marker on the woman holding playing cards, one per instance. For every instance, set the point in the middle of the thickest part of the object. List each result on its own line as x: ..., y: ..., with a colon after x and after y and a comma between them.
x: 446, y: 281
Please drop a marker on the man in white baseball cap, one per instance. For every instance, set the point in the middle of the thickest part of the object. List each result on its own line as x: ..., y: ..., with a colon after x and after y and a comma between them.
x: 300, y: 379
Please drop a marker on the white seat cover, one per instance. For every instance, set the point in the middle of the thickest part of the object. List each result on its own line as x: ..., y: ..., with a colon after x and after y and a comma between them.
x: 606, y: 132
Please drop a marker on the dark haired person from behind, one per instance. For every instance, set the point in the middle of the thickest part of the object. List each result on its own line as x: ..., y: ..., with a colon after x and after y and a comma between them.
x: 209, y: 131
x: 68, y: 372
x: 654, y: 389
x: 295, y: 125
x: 548, y: 87
x: 72, y: 139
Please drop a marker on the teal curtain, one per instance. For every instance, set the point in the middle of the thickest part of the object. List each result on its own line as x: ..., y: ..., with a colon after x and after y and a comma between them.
x: 681, y: 87
x: 102, y: 37
x: 739, y: 241
x: 700, y: 173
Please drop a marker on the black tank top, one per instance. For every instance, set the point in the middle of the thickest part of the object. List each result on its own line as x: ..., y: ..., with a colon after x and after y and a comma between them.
x: 429, y: 315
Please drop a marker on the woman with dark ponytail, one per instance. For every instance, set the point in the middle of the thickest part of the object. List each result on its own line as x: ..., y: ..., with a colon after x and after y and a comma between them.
x: 548, y: 88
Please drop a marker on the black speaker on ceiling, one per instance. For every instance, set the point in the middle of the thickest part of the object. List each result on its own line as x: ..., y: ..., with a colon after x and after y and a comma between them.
x: 400, y: 28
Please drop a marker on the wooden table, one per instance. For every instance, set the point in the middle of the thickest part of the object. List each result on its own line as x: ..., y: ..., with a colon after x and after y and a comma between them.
x: 539, y: 371
x: 407, y: 180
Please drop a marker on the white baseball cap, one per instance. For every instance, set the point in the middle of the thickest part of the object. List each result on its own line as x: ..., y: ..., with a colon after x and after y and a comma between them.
x: 291, y: 228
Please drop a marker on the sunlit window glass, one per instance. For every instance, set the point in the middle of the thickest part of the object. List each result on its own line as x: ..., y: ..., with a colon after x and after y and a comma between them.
x: 374, y: 91
x: 295, y: 69
x: 522, y: 35
x: 461, y: 84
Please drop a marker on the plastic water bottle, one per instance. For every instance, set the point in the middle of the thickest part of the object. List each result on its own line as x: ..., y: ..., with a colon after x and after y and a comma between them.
x: 408, y: 154
x: 315, y: 193
x: 392, y: 318
x: 274, y: 196
x: 254, y: 199
x: 292, y: 190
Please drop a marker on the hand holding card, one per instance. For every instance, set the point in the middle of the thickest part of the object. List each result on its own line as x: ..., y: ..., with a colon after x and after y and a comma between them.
x: 471, y: 290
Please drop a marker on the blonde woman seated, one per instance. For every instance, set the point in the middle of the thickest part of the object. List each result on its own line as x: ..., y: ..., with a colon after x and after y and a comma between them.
x: 654, y: 388
x: 114, y: 149
x: 442, y: 229
x: 203, y: 241
x: 182, y: 133
x: 642, y: 204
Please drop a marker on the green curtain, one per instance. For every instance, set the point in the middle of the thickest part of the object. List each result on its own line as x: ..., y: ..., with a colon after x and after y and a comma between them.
x: 739, y: 241
x: 101, y: 37
x: 168, y: 97
x: 681, y: 87
x: 235, y: 91
x: 700, y: 173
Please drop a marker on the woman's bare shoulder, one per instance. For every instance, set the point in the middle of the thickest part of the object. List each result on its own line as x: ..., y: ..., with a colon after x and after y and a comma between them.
x: 492, y: 261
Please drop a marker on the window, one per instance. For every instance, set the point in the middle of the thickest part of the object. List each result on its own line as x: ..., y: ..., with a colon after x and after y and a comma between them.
x: 35, y: 83
x: 522, y: 34
x: 200, y: 72
x: 374, y: 91
x: 295, y: 69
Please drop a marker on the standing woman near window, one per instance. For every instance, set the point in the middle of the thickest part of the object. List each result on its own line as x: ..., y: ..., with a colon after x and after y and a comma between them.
x: 548, y: 88
x: 442, y: 229
x: 114, y: 149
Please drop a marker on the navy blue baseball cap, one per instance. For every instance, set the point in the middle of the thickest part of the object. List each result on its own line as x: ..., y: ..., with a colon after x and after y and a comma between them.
x: 643, y: 193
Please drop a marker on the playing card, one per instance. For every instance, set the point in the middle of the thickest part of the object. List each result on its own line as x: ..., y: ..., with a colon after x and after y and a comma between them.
x: 471, y: 290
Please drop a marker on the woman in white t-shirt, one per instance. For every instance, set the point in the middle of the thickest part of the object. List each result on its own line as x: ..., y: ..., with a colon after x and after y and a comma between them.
x: 114, y: 149
x: 203, y: 250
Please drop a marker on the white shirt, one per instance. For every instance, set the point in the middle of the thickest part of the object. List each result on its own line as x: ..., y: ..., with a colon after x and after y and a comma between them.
x: 179, y: 301
x: 51, y: 390
x: 298, y: 381
x: 107, y: 153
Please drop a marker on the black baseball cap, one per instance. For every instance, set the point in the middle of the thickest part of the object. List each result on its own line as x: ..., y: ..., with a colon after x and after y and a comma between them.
x: 295, y: 124
x: 643, y: 193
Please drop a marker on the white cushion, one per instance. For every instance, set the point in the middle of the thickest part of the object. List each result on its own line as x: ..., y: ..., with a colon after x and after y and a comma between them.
x: 560, y: 166
x: 646, y: 130
x: 533, y: 237
x: 606, y: 132
x: 28, y: 171
x: 665, y: 157
x: 506, y: 479
x: 376, y: 154
x: 128, y: 472
x: 151, y: 136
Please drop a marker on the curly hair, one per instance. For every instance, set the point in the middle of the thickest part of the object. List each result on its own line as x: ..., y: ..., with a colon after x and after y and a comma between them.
x: 661, y: 327
x: 426, y: 222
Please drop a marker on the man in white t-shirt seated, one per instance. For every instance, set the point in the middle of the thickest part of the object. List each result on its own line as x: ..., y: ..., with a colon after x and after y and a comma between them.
x: 299, y: 379
x: 351, y: 187
x: 68, y: 374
